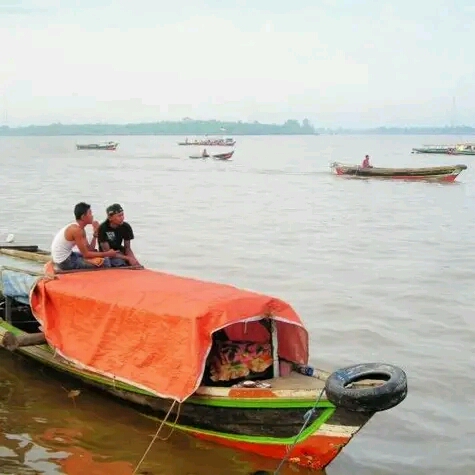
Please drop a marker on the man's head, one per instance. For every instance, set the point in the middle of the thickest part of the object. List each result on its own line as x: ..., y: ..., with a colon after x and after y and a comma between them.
x: 83, y: 212
x: 115, y: 214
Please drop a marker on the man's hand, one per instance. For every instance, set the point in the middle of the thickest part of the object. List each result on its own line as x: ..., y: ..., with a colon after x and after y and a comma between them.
x: 133, y: 261
x: 95, y: 226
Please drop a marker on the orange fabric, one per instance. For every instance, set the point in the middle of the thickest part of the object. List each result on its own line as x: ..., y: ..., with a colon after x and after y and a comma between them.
x: 152, y: 329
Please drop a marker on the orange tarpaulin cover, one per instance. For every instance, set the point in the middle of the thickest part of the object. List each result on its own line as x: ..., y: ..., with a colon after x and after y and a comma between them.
x: 152, y: 329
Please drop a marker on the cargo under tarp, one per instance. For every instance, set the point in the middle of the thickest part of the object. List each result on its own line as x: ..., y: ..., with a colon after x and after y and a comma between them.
x: 152, y: 329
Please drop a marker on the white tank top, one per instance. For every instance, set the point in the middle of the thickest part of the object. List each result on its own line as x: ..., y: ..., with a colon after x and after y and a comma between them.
x: 60, y: 247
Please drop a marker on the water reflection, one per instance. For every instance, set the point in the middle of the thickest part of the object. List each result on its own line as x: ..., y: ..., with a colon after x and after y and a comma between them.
x: 46, y: 432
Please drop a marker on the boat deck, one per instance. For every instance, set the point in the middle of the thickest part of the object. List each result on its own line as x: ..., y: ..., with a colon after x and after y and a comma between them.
x: 297, y: 381
x: 293, y: 386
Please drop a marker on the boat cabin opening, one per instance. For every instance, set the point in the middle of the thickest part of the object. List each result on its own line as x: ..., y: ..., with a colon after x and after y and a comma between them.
x: 245, y: 351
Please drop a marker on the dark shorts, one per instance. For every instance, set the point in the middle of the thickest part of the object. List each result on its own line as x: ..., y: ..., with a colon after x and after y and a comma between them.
x: 77, y: 261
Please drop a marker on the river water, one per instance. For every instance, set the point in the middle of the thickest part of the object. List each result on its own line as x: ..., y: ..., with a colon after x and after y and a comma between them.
x: 378, y: 270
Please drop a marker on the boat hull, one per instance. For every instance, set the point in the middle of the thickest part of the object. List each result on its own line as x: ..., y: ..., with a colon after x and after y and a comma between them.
x: 218, y: 156
x: 445, y: 174
x: 437, y: 151
x: 209, y: 143
x: 259, y: 421
x: 111, y: 147
x: 459, y: 149
x: 224, y: 156
x: 315, y: 450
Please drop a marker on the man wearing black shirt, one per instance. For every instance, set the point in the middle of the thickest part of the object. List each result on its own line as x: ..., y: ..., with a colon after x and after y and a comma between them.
x: 115, y: 233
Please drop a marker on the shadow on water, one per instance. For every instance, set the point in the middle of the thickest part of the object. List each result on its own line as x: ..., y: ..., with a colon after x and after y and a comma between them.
x: 45, y: 431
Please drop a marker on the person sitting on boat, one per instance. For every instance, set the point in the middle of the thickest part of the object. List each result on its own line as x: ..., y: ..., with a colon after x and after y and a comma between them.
x: 73, y: 235
x: 366, y: 163
x: 205, y: 154
x: 115, y: 233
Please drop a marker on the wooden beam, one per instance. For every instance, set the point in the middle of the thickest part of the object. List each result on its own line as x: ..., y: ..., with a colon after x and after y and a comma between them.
x: 12, y: 342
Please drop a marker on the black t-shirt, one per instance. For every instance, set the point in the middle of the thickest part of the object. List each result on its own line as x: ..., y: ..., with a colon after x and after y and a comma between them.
x: 115, y: 237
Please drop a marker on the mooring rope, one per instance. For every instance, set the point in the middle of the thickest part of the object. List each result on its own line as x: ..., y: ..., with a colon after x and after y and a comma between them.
x: 306, y: 418
x: 158, y: 432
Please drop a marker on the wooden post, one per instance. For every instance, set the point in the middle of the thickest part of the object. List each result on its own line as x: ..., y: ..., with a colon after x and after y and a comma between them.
x: 12, y: 342
x: 275, y: 349
x: 8, y: 310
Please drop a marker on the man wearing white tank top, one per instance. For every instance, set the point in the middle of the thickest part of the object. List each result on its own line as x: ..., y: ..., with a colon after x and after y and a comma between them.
x: 74, y: 234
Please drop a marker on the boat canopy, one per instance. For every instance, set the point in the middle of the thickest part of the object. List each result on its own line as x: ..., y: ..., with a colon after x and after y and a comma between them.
x: 151, y: 329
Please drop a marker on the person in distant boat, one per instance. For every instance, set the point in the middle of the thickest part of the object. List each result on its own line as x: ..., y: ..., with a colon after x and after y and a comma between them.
x: 115, y: 233
x: 73, y: 235
x: 205, y: 153
x: 366, y: 163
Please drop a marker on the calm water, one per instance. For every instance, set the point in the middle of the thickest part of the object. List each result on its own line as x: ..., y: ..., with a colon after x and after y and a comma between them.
x: 378, y: 271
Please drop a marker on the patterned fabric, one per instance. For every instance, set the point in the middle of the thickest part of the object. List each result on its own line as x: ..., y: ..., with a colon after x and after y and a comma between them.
x: 233, y: 360
x: 17, y: 285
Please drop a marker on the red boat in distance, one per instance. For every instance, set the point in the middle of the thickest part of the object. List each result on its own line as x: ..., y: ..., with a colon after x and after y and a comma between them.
x: 223, y: 156
x: 447, y: 173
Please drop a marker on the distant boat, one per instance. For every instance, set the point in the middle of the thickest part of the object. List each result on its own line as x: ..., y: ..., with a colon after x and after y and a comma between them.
x: 98, y: 146
x: 196, y: 157
x: 218, y: 156
x: 228, y: 142
x: 224, y: 156
x: 458, y: 149
x: 446, y: 173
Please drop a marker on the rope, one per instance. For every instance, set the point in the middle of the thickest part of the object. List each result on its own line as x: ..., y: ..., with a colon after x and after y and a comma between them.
x: 306, y: 418
x: 164, y: 439
x: 157, y: 433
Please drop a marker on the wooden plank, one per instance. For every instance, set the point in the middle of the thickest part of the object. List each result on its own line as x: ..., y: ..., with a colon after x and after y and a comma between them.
x: 96, y: 269
x: 29, y: 256
x: 20, y: 248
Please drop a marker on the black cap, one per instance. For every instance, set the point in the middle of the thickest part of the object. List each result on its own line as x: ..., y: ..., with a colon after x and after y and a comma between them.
x: 114, y: 209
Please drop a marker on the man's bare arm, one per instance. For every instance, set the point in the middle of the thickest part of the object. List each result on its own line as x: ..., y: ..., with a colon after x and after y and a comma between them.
x: 79, y: 236
x: 129, y: 253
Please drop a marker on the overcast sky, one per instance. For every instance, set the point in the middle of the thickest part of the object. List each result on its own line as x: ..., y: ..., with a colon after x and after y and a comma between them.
x: 350, y: 63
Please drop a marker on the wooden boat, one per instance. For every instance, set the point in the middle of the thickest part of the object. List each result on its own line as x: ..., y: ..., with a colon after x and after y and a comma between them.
x: 224, y: 156
x: 437, y: 149
x: 98, y: 146
x: 30, y: 253
x: 463, y: 149
x: 218, y: 156
x: 197, y: 157
x: 458, y: 149
x: 446, y: 173
x: 227, y: 365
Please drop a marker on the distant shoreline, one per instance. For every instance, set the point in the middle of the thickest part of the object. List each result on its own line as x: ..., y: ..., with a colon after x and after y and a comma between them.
x: 190, y: 128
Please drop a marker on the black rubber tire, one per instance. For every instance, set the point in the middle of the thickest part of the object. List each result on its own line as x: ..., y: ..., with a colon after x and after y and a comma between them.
x: 367, y: 399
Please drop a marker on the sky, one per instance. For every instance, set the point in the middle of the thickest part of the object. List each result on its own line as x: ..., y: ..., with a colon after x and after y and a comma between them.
x: 339, y: 63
